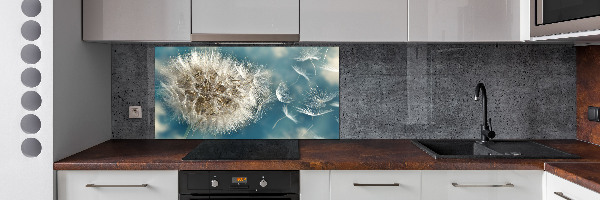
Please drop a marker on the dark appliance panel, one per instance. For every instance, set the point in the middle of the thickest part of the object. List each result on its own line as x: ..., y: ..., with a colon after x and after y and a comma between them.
x: 233, y: 185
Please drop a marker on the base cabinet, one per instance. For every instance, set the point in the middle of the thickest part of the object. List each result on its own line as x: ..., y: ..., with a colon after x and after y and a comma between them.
x: 117, y: 185
x: 482, y: 184
x: 340, y: 185
x: 560, y: 189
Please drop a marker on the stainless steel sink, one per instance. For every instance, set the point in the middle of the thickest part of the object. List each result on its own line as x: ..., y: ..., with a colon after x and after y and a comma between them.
x: 493, y: 149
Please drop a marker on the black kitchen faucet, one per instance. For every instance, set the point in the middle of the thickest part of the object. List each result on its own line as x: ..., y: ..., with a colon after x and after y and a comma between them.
x: 486, y: 129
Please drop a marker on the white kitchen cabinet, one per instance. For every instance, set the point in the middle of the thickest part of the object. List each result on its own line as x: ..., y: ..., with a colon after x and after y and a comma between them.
x: 561, y: 189
x: 378, y: 184
x: 314, y: 184
x: 482, y: 184
x: 468, y: 20
x: 244, y: 20
x: 136, y: 20
x: 117, y: 185
x: 354, y: 20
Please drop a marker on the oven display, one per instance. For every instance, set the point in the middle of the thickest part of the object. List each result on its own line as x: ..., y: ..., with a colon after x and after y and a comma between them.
x: 239, y: 180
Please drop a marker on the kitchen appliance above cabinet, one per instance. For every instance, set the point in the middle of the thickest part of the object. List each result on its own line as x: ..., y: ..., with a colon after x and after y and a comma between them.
x: 565, y: 20
x: 246, y: 20
x: 136, y: 20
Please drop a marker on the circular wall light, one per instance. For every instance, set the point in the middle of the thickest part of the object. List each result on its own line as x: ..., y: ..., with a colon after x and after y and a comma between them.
x: 31, y: 8
x: 31, y: 77
x: 31, y: 100
x: 31, y: 54
x: 31, y: 147
x: 30, y: 124
x: 31, y: 30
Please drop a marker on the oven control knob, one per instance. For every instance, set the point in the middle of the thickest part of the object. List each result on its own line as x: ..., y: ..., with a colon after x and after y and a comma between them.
x: 214, y: 183
x: 263, y: 183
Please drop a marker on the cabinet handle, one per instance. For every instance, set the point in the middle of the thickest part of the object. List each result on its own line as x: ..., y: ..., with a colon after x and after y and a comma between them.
x: 94, y: 185
x: 362, y: 184
x: 505, y: 185
x: 560, y: 194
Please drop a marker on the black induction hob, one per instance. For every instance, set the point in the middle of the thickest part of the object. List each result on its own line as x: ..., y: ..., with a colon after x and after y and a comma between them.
x: 245, y: 150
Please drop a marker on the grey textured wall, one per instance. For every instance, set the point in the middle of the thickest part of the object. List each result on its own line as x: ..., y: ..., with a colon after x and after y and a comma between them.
x: 408, y: 90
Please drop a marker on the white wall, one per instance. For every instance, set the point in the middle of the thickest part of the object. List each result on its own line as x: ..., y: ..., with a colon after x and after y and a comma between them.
x: 82, y: 84
x: 75, y: 78
x: 24, y: 177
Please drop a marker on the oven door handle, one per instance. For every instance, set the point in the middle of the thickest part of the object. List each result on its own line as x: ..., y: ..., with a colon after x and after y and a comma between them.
x: 250, y: 197
x: 191, y: 197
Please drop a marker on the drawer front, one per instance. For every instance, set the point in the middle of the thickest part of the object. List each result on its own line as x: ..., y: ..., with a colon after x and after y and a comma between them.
x: 377, y: 185
x: 314, y: 184
x: 566, y: 190
x: 113, y: 185
x: 482, y: 184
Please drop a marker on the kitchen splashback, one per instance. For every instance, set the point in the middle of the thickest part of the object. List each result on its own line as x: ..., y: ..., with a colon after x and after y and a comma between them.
x: 407, y: 90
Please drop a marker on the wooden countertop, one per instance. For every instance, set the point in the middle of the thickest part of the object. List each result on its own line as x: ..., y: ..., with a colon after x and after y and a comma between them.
x: 314, y: 155
x: 581, y: 173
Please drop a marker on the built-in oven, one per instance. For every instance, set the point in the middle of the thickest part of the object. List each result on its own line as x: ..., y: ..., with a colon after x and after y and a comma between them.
x: 554, y: 17
x: 234, y: 185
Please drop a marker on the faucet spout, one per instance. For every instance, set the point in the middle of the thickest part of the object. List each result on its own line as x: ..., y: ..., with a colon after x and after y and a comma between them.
x: 486, y: 132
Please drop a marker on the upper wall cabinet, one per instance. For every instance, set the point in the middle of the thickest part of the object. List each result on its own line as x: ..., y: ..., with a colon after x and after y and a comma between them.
x: 354, y: 20
x: 245, y: 20
x: 136, y: 20
x: 468, y: 20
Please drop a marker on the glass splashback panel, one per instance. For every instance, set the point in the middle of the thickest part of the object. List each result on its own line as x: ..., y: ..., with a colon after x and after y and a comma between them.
x: 246, y: 93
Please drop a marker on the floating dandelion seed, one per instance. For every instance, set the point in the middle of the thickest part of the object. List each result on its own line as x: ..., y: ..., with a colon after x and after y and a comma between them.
x: 313, y: 112
x: 309, y: 53
x: 213, y: 93
x: 316, y: 98
x: 335, y: 104
x: 330, y: 68
x: 287, y: 115
x: 307, y: 131
x: 283, y: 93
x: 301, y: 72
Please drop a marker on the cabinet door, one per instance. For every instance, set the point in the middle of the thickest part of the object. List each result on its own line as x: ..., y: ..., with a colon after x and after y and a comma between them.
x: 561, y: 189
x: 371, y: 185
x: 117, y: 185
x: 136, y: 20
x: 354, y: 20
x: 314, y: 184
x: 468, y: 20
x: 482, y: 184
x: 245, y: 17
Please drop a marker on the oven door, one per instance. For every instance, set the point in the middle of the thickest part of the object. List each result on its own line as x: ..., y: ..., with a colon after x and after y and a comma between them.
x: 552, y: 17
x: 236, y: 197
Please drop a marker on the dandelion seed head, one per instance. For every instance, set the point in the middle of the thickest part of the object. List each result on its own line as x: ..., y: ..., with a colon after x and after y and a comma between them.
x: 214, y: 93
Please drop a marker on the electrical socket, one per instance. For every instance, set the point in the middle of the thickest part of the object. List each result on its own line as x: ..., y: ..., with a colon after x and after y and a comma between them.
x: 135, y: 112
